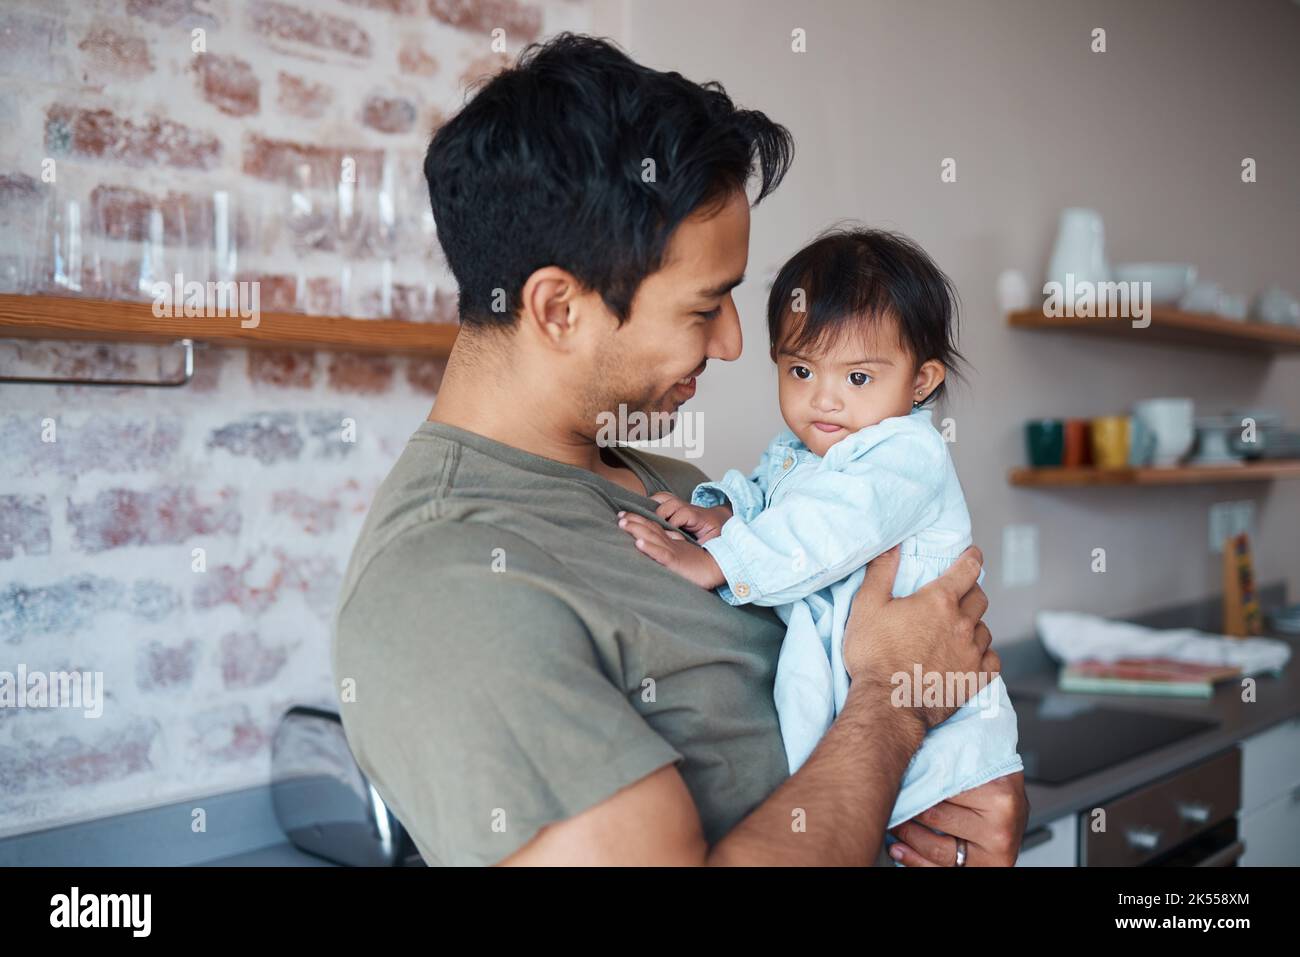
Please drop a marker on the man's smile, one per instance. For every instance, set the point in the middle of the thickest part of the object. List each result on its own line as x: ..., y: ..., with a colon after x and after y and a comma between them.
x: 685, y: 386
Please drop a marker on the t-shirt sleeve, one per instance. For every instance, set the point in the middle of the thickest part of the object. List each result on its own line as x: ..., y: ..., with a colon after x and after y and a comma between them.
x: 482, y: 711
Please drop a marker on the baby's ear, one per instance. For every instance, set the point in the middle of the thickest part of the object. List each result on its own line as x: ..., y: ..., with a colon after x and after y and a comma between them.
x: 930, y: 375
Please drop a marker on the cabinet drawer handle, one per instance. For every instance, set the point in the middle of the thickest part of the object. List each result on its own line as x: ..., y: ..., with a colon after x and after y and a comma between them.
x: 1194, y: 811
x: 1143, y: 838
x: 1039, y: 835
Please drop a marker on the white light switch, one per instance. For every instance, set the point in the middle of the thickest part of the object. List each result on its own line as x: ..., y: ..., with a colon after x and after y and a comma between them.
x: 1019, y: 555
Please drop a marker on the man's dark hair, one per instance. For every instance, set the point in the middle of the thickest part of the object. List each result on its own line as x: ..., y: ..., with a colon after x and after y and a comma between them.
x: 850, y: 276
x: 544, y: 167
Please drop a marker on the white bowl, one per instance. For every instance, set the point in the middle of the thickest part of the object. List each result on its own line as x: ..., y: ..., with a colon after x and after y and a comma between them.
x: 1169, y: 281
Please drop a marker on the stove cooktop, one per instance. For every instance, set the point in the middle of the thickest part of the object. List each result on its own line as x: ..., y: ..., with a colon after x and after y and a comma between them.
x: 1063, y: 737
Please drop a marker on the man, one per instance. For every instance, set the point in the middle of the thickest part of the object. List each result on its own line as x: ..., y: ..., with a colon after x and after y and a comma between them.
x: 529, y: 688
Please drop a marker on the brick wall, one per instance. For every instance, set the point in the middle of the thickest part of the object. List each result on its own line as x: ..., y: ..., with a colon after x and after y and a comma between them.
x: 188, y: 543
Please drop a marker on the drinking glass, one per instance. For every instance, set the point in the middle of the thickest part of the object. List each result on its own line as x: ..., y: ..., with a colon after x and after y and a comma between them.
x: 310, y: 216
x: 22, y: 225
x: 62, y: 248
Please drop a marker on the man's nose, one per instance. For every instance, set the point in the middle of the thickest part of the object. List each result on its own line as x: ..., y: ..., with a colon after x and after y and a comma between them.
x: 725, y: 338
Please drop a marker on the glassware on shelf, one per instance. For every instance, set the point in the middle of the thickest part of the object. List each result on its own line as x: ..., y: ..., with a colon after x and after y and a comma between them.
x: 385, y: 291
x: 22, y: 226
x: 61, y: 271
x: 104, y: 253
x: 310, y: 215
x: 427, y: 308
x: 384, y: 237
x: 151, y: 256
x: 224, y: 263
x: 366, y: 289
x: 350, y: 303
x: 350, y: 222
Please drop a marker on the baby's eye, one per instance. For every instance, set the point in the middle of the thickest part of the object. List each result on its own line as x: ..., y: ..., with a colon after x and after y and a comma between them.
x: 859, y: 378
x: 801, y: 372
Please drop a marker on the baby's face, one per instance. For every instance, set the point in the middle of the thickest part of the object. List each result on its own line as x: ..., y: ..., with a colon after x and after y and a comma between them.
x: 845, y: 386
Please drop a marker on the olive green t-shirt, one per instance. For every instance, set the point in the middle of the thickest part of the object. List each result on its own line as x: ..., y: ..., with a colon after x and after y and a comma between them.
x: 516, y: 660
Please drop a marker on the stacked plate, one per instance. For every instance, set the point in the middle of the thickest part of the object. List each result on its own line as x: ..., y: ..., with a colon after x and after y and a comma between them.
x: 1286, y: 620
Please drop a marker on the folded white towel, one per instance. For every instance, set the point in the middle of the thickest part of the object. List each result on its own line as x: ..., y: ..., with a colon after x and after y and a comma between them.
x: 1072, y: 636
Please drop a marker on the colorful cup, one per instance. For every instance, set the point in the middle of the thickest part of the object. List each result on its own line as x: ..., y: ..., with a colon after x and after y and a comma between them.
x: 1078, y: 450
x: 1045, y: 441
x: 1110, y: 438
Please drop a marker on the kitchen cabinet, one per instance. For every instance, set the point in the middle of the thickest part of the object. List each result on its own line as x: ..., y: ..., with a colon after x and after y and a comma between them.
x: 1055, y: 844
x: 1270, y: 796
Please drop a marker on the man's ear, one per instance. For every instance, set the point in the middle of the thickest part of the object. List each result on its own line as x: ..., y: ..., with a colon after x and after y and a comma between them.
x: 549, y: 295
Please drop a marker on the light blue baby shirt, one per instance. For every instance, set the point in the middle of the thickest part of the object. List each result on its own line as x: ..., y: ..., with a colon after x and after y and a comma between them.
x: 803, y: 530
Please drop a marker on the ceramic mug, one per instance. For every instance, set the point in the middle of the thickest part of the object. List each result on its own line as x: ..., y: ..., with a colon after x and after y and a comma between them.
x: 1110, y: 435
x: 1141, y: 443
x: 1045, y: 440
x: 1171, y: 422
x: 1077, y: 450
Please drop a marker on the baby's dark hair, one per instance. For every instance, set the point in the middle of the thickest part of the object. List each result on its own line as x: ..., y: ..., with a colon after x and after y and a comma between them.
x: 853, y: 275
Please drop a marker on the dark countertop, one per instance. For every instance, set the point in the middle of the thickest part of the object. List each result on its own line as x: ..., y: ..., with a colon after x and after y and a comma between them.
x: 1277, y: 699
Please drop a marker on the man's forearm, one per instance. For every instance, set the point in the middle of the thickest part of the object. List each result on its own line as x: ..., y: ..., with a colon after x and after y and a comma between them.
x: 835, y: 808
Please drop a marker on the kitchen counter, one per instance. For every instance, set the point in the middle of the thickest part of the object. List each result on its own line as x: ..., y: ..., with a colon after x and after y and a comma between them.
x: 1027, y: 669
x: 242, y: 832
x: 1277, y: 699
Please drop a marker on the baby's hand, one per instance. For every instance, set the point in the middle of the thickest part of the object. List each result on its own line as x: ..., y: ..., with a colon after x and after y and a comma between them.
x: 703, y: 523
x: 673, y: 551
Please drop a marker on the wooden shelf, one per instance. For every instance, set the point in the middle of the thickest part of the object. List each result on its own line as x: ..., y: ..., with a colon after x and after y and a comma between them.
x: 57, y: 317
x: 1172, y: 326
x: 1258, y: 471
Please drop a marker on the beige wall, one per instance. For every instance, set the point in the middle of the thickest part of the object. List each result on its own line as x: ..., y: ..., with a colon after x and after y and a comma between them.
x: 1150, y: 133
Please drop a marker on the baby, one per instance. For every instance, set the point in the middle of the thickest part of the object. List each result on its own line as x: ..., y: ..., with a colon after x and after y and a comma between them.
x: 860, y: 324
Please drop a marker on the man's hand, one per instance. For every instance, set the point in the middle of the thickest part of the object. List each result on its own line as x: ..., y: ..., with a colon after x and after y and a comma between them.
x: 673, y: 551
x: 990, y: 817
x: 703, y: 523
x: 937, y: 627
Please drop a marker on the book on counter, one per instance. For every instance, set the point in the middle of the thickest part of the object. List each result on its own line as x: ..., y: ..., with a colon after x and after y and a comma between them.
x: 1145, y: 676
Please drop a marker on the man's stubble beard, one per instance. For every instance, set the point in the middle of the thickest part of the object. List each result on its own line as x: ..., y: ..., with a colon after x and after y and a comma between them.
x: 608, y: 391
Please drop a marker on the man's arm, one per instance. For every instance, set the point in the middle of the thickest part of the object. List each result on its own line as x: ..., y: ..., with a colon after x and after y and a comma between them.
x: 835, y: 808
